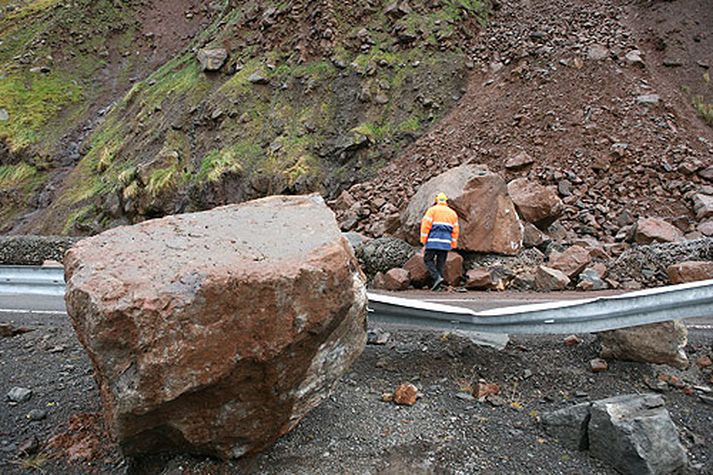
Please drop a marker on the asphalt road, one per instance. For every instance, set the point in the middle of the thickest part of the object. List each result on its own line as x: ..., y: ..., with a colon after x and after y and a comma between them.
x: 23, y: 308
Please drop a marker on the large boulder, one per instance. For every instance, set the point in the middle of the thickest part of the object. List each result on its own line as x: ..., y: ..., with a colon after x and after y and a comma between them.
x: 569, y: 426
x: 660, y: 343
x: 487, y: 216
x: 690, y: 271
x: 217, y: 332
x: 653, y: 230
x: 635, y: 434
x: 536, y: 204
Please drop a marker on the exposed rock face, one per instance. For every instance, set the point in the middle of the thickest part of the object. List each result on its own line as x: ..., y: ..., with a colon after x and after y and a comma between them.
x: 660, y: 343
x: 217, y: 332
x: 635, y: 434
x: 536, y: 204
x: 212, y: 59
x: 486, y: 213
x: 653, y: 230
x: 690, y: 271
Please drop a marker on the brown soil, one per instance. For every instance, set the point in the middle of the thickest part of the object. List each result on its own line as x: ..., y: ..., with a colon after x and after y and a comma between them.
x: 535, y: 89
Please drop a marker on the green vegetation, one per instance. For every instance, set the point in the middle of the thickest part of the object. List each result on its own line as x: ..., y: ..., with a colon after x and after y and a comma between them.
x: 13, y: 175
x: 31, y: 100
x: 232, y: 159
x: 705, y: 109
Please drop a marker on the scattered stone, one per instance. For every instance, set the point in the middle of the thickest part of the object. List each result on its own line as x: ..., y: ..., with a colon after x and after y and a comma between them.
x: 648, y: 99
x: 653, y: 230
x: 377, y: 337
x: 536, y: 204
x: 590, y: 279
x: 706, y: 173
x: 705, y: 228
x: 4, y: 115
x: 465, y: 396
x: 406, y: 395
x: 236, y: 337
x: 633, y: 57
x: 572, y: 340
x: 672, y: 62
x: 548, y: 279
x: 387, y: 397
x: 396, y: 279
x: 704, y: 361
x: 569, y: 426
x: 478, y: 279
x: 488, y: 220
x: 533, y: 237
x: 706, y: 399
x: 212, y: 59
x: 19, y: 395
x: 37, y: 415
x: 635, y: 434
x: 8, y: 331
x: 258, y: 78
x: 598, y: 365
x: 518, y: 161
x: 483, y: 389
x: 571, y: 262
x: 690, y: 271
x: 495, y: 401
x: 703, y: 206
x: 659, y: 343
x: 597, y: 52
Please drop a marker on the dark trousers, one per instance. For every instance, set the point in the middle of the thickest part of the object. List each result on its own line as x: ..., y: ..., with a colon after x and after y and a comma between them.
x: 435, y: 260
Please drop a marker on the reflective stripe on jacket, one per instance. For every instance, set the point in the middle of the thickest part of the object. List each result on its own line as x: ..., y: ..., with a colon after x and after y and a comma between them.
x: 439, y: 228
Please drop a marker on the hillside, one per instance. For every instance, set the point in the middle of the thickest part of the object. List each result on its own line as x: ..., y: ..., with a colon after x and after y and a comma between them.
x: 314, y: 96
x: 107, y: 118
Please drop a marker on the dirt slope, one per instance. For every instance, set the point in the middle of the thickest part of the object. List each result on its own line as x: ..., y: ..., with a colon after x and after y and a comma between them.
x: 540, y: 87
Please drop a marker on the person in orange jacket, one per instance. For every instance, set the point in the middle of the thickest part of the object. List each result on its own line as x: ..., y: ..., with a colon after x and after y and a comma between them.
x: 439, y: 233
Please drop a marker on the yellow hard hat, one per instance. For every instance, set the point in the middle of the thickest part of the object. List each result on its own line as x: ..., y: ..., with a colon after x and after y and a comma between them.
x: 441, y: 198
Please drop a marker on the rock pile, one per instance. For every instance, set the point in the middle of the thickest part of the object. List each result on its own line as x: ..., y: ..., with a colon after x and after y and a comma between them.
x: 216, y: 332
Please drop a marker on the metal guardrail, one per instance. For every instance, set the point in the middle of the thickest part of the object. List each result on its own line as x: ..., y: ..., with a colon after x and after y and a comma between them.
x: 30, y: 280
x: 578, y: 316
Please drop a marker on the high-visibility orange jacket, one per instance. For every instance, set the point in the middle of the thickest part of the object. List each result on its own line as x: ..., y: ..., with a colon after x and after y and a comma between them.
x: 439, y: 228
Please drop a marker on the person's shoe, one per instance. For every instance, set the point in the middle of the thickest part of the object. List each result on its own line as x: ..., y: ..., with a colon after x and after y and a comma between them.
x: 437, y: 284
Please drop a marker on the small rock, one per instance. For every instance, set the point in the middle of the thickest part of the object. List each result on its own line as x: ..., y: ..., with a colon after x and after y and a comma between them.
x: 483, y: 389
x: 212, y: 59
x: 258, y: 78
x: 4, y: 115
x: 29, y: 446
x: 598, y: 52
x: 590, y: 279
x: 706, y: 399
x: 478, y: 279
x: 704, y: 361
x: 658, y: 343
x: 656, y: 230
x: 406, y: 395
x: 634, y: 57
x: 572, y: 340
x: 690, y: 271
x: 465, y: 396
x: 36, y: 415
x: 547, y: 279
x: 520, y: 160
x: 672, y: 62
x: 387, y: 397
x: 377, y: 337
x: 571, y: 262
x: 495, y: 401
x: 396, y: 279
x: 648, y: 99
x: 598, y: 365
x: 19, y: 395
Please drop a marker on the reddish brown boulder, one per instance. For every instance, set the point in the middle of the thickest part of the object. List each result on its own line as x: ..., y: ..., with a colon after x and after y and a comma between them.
x: 572, y: 261
x: 406, y: 395
x: 547, y: 279
x: 397, y: 279
x: 478, y: 279
x: 488, y: 220
x: 536, y: 204
x: 217, y: 332
x: 417, y: 270
x: 533, y: 237
x: 690, y: 271
x: 653, y: 230
x: 453, y: 272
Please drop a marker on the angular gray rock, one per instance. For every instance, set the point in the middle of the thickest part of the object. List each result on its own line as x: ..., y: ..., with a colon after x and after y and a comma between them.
x: 217, y: 332
x: 635, y: 434
x: 382, y: 254
x: 569, y: 426
x: 212, y: 59
x: 18, y: 394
